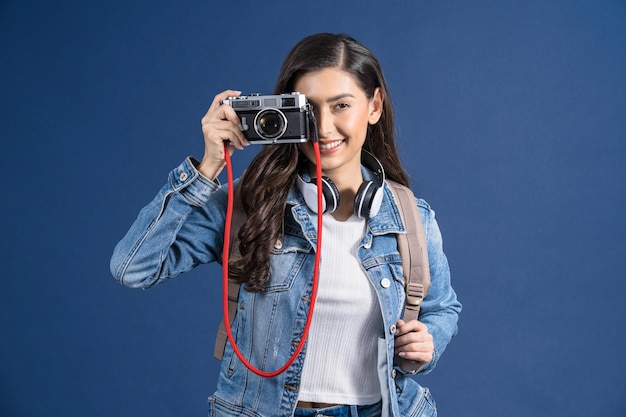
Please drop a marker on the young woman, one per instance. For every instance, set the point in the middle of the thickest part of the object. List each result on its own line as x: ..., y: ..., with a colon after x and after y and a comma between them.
x: 357, y: 317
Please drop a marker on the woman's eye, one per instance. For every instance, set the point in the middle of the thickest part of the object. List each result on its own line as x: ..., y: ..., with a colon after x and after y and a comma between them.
x: 342, y: 105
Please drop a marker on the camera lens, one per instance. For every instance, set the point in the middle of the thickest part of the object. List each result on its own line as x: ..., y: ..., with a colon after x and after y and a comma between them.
x: 270, y: 123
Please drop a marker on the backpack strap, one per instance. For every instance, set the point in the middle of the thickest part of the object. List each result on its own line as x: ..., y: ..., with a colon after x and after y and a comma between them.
x: 413, y: 251
x: 239, y: 216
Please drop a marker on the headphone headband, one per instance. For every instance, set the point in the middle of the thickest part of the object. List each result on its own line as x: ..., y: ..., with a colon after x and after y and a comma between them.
x: 372, y: 163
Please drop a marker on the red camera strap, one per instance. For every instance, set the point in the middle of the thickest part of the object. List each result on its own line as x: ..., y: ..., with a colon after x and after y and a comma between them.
x: 225, y: 256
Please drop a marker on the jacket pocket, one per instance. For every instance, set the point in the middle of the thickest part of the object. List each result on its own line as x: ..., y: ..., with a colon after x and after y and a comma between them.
x: 413, y: 399
x: 286, y: 263
x: 427, y: 407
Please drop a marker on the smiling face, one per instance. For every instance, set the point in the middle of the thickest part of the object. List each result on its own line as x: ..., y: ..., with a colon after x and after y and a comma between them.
x: 343, y: 113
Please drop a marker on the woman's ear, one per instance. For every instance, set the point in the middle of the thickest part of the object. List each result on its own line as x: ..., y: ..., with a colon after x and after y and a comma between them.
x: 376, y: 106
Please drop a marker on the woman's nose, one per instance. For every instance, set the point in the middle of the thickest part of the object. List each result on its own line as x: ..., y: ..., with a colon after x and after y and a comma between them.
x: 325, y: 124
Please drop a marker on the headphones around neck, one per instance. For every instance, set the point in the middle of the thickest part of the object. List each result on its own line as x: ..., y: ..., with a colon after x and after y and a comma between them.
x: 367, y: 200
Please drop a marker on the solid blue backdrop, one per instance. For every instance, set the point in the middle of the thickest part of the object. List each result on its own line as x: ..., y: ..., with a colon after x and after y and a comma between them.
x: 511, y: 122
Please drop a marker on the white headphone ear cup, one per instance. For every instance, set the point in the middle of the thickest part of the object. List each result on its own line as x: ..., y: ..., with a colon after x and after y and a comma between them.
x: 330, y: 194
x: 368, y: 200
x: 363, y: 199
x: 309, y: 192
x: 377, y: 201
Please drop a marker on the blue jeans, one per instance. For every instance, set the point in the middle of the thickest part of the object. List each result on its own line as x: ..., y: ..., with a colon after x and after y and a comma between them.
x: 372, y: 410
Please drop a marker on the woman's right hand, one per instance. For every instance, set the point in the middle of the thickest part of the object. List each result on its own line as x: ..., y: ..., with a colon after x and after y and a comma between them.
x: 220, y: 124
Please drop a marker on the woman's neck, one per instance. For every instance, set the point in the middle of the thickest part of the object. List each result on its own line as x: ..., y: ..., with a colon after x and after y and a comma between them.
x: 347, y: 179
x: 347, y: 185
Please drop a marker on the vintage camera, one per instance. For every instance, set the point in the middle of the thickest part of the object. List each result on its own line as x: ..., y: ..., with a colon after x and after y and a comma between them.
x: 282, y: 118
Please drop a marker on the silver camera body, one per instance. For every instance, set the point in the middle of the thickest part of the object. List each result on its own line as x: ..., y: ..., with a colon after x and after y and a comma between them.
x: 273, y: 119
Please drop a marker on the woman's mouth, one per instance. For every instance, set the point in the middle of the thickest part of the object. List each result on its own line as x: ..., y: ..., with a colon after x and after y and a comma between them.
x: 330, y: 145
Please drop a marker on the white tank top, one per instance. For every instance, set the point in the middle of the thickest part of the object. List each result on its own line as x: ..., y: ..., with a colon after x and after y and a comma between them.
x: 340, y: 366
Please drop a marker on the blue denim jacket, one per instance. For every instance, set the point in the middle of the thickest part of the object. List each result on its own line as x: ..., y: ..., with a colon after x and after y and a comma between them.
x: 183, y: 227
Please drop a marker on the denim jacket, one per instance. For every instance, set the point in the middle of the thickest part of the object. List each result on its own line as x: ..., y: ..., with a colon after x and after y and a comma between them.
x: 183, y: 227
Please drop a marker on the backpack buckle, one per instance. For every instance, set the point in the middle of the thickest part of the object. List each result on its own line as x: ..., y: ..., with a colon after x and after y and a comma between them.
x: 414, y: 295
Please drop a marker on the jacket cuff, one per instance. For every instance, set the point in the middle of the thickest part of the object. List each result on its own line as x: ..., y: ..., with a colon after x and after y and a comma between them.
x: 424, y: 369
x: 189, y: 182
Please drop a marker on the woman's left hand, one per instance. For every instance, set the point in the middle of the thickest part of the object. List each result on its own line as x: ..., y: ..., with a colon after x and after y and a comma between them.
x: 414, y: 345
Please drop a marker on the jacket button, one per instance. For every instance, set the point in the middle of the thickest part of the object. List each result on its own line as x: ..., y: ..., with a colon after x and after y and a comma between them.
x: 393, y: 373
x: 392, y: 329
x: 385, y: 283
x: 183, y: 176
x: 278, y: 244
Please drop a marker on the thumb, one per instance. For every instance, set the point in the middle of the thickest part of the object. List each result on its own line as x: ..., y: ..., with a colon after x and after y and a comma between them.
x: 399, y: 324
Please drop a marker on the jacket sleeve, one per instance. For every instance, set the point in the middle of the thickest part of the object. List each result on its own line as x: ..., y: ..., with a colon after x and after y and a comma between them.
x: 183, y: 226
x: 440, y: 309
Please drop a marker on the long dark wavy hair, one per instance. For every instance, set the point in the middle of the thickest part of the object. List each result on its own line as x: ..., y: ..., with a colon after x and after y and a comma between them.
x: 265, y: 185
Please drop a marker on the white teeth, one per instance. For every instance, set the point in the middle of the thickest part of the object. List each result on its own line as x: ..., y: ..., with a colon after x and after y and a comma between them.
x: 330, y: 145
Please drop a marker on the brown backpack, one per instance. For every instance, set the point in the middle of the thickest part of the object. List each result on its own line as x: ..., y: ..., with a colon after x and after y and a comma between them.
x: 411, y: 245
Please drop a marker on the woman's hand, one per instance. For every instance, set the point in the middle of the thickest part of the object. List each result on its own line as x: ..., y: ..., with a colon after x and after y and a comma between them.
x: 220, y: 124
x: 414, y: 345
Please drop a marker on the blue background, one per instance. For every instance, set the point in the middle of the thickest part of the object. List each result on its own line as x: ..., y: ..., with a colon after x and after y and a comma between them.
x: 511, y: 122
